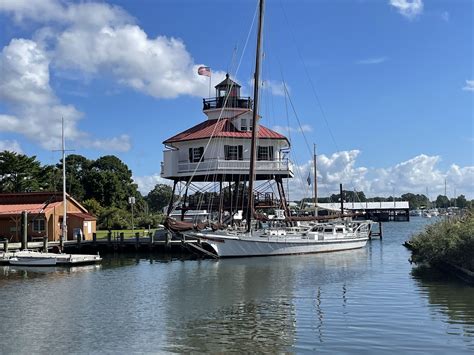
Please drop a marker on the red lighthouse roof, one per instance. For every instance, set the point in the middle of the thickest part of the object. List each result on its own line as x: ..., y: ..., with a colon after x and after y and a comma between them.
x: 221, y: 128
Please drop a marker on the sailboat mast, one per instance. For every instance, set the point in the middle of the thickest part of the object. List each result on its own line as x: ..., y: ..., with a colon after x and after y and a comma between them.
x: 315, y: 182
x: 63, y: 149
x: 253, y: 150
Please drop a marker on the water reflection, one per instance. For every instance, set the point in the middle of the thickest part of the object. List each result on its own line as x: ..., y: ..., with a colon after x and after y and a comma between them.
x: 249, y: 304
x: 450, y: 298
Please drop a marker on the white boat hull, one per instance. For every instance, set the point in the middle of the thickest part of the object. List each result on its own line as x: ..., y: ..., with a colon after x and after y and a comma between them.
x: 32, y: 261
x: 233, y: 246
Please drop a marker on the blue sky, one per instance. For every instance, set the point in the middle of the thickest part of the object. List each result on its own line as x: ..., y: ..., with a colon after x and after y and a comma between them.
x: 395, y: 80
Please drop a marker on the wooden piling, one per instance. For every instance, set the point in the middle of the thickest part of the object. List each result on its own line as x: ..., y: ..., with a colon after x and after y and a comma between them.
x: 45, y: 244
x: 380, y: 230
x: 24, y: 230
x: 151, y: 241
x: 121, y: 236
x: 78, y: 240
x: 94, y: 239
x: 5, y: 245
x: 109, y: 240
x: 137, y: 240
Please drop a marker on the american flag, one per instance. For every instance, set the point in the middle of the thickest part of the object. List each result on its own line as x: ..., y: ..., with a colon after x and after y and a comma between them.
x: 206, y: 71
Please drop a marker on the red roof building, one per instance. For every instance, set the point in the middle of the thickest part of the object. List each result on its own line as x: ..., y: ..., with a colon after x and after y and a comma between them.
x: 45, y: 213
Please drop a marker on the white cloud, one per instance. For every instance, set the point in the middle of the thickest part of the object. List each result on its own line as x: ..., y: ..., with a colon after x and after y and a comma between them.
x: 469, y: 85
x: 35, y: 109
x: 376, y: 60
x: 408, y: 8
x: 147, y: 183
x: 287, y: 129
x: 413, y: 175
x: 11, y: 146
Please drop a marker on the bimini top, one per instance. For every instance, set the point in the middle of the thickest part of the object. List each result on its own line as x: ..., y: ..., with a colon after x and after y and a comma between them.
x: 221, y: 128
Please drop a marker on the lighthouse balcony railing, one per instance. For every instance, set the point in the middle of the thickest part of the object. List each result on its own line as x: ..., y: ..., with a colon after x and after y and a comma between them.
x: 232, y: 102
x: 211, y: 166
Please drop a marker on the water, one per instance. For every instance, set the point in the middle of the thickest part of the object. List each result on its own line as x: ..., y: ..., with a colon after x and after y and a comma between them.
x: 360, y: 301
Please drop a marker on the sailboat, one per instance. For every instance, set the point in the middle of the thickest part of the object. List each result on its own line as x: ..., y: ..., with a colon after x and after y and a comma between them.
x: 280, y: 237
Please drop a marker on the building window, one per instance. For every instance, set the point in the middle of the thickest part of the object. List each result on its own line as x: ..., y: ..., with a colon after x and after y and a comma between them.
x: 233, y: 152
x: 38, y: 225
x: 195, y: 154
x: 265, y: 153
x: 246, y: 124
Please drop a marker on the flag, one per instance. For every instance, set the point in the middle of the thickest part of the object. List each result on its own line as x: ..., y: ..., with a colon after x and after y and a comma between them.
x: 309, y: 179
x: 206, y: 71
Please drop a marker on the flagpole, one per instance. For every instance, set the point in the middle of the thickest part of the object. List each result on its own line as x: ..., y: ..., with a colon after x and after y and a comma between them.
x: 209, y: 85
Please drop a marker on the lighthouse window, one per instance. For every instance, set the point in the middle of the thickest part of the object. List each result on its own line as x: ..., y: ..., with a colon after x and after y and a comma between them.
x: 243, y: 124
x: 233, y: 152
x: 38, y: 225
x: 195, y: 154
x: 265, y: 153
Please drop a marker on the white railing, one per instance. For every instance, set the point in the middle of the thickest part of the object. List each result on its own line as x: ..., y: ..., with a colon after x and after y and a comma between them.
x: 233, y: 165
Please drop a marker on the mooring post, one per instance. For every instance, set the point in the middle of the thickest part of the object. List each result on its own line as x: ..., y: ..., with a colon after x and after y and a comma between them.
x: 380, y: 230
x: 94, y: 239
x: 151, y: 240
x: 24, y: 230
x: 109, y: 240
x: 5, y: 245
x: 370, y: 231
x: 137, y: 240
x: 45, y: 244
x: 78, y: 240
x: 121, y: 239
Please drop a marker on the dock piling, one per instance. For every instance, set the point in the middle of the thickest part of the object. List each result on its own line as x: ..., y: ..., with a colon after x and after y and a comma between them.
x: 45, y: 244
x: 137, y: 240
x: 5, y: 245
x: 24, y: 230
x: 94, y: 239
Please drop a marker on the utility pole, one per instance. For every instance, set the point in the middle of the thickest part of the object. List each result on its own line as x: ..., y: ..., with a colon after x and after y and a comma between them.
x: 64, y: 226
x: 131, y: 200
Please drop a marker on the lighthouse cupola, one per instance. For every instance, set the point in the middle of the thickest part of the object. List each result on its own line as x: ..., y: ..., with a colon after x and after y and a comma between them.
x: 228, y: 97
x: 228, y: 87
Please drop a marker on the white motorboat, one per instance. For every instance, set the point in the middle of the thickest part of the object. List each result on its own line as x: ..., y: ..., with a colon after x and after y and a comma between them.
x: 32, y: 258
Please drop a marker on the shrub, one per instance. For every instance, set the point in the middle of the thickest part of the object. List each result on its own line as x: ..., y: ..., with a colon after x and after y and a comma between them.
x: 450, y: 241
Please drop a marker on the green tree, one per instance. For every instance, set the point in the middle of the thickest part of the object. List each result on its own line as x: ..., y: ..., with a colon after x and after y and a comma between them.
x: 442, y: 201
x: 76, y: 168
x: 159, y: 197
x: 461, y: 201
x: 109, y: 181
x: 19, y: 173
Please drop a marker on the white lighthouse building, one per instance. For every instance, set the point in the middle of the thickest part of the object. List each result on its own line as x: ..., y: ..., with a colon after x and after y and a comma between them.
x: 218, y: 151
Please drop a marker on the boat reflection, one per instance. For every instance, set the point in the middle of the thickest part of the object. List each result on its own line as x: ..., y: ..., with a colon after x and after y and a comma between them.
x: 252, y: 304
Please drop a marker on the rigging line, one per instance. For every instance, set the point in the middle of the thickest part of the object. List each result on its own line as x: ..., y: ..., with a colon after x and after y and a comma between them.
x: 226, y: 99
x: 297, y: 118
x: 309, y: 78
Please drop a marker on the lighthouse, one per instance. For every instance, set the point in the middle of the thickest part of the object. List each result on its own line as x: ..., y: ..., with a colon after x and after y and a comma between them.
x: 217, y: 150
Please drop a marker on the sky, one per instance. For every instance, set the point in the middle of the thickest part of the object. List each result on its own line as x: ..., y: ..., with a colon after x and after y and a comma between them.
x: 385, y: 89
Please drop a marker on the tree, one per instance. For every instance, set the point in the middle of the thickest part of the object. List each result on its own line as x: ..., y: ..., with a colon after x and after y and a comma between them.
x: 19, y: 173
x: 76, y: 169
x: 159, y: 197
x: 461, y: 201
x: 442, y: 201
x: 109, y: 181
